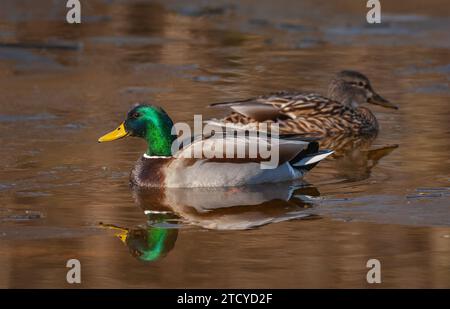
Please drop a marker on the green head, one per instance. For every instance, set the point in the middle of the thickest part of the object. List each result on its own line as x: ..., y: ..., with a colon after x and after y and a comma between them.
x: 149, y: 122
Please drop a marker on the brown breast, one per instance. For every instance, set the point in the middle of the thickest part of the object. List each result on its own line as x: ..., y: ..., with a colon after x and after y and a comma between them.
x: 149, y: 172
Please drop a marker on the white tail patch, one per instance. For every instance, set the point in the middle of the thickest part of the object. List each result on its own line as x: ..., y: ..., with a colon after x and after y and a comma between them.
x: 156, y: 212
x: 313, y: 158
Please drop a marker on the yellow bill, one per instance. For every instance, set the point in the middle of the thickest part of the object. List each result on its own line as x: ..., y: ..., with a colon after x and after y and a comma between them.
x: 122, y: 236
x: 113, y: 135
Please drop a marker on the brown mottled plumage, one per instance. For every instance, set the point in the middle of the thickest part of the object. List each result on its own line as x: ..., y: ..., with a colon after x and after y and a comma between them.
x: 311, y: 113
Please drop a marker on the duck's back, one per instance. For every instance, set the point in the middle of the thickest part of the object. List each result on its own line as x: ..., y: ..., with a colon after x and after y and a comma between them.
x: 299, y: 112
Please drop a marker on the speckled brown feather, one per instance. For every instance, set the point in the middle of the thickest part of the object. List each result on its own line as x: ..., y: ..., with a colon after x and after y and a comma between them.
x: 312, y: 113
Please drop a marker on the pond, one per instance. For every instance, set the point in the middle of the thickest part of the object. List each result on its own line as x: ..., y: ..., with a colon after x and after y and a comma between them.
x: 64, y: 196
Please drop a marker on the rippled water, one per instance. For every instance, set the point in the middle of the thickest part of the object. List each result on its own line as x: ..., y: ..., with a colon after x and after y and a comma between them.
x: 64, y: 196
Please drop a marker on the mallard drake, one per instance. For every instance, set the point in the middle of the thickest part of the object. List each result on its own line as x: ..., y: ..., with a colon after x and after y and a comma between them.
x: 159, y: 168
x: 312, y: 113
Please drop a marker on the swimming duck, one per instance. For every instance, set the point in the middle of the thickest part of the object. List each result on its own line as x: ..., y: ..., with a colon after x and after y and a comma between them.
x: 159, y: 168
x: 302, y: 112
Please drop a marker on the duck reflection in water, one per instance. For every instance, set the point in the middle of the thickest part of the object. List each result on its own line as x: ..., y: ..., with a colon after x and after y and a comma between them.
x: 234, y: 208
x: 151, y: 241
x: 354, y: 157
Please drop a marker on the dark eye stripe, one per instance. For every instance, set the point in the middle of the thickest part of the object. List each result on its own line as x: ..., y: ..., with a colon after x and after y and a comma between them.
x: 356, y: 83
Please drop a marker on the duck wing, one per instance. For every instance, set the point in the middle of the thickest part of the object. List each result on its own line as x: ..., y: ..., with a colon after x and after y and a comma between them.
x: 284, y: 105
x: 292, y: 148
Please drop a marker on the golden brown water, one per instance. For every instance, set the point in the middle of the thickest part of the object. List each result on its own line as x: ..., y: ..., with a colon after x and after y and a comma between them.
x: 64, y: 196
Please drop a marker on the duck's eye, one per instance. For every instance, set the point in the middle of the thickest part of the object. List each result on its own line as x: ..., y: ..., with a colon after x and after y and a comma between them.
x: 136, y: 115
x: 361, y: 84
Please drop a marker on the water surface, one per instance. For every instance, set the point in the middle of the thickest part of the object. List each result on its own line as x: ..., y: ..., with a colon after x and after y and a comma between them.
x: 64, y: 196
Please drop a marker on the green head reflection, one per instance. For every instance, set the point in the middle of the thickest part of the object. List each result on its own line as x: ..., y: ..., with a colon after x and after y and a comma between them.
x: 149, y: 243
